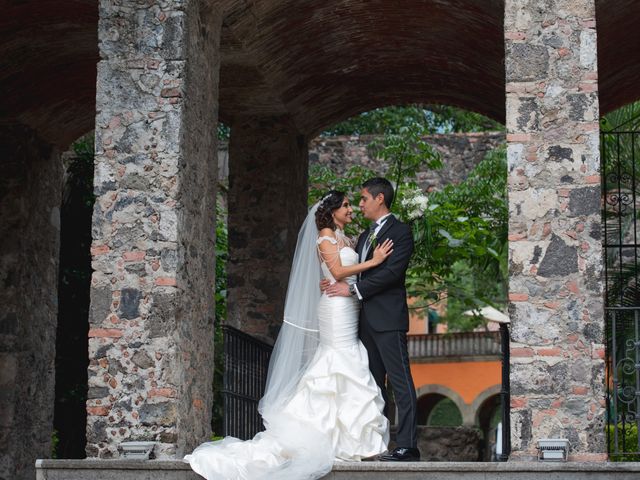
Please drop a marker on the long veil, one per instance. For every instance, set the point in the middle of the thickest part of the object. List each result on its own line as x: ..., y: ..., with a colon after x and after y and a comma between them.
x: 294, y: 446
x: 298, y: 339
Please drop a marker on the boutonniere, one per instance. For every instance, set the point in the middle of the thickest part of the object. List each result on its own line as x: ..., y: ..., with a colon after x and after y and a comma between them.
x: 373, y: 241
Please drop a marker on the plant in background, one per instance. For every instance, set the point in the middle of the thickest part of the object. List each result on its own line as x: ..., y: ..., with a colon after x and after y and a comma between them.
x: 431, y: 118
x: 460, y: 232
x: 222, y: 254
x: 414, y: 203
x: 461, y: 244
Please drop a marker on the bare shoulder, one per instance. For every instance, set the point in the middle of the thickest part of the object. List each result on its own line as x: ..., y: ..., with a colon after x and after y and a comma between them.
x: 327, y: 232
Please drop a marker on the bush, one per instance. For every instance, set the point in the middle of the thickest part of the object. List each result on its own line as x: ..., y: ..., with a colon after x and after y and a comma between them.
x: 628, y: 450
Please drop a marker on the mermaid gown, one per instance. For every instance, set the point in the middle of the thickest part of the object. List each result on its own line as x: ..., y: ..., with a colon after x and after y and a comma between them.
x: 334, y: 415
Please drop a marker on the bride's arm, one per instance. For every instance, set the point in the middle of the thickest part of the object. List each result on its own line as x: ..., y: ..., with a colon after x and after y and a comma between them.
x: 330, y: 253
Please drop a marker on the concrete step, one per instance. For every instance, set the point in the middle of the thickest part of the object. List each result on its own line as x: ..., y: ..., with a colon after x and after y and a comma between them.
x: 176, y: 470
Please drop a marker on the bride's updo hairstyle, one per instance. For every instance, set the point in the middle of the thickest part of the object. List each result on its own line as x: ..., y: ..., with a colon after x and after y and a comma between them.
x: 332, y: 200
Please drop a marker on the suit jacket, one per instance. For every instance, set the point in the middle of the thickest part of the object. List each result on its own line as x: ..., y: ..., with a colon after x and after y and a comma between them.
x: 384, y: 296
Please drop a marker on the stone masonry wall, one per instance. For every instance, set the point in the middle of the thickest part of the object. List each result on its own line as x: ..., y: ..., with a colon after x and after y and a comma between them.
x: 460, y: 153
x: 30, y: 196
x: 152, y: 291
x: 267, y: 204
x: 555, y: 246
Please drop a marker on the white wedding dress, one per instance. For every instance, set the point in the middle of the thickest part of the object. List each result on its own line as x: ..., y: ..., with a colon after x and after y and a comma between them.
x: 334, y: 414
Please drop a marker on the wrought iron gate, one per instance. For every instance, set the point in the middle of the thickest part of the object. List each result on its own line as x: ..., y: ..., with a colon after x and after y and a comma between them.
x: 246, y: 361
x: 620, y: 154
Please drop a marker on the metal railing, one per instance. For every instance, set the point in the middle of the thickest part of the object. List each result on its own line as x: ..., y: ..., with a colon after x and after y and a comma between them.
x: 623, y: 382
x: 246, y: 362
x: 465, y: 344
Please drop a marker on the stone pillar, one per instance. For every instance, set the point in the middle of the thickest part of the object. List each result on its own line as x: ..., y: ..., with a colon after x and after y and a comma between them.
x: 268, y: 163
x: 30, y: 196
x: 152, y: 290
x: 555, y: 245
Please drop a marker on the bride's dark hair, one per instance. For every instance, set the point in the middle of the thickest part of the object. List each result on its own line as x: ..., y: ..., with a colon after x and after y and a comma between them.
x: 332, y: 200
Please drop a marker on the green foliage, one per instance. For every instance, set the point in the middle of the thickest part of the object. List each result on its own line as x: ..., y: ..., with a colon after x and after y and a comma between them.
x: 403, y: 154
x: 431, y: 118
x: 224, y: 132
x: 627, y: 443
x: 461, y: 244
x: 222, y: 255
x: 445, y: 413
x: 55, y: 440
x: 620, y: 162
x: 461, y: 239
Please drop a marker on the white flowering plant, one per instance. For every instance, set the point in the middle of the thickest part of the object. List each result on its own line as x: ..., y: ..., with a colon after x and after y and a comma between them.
x: 414, y: 203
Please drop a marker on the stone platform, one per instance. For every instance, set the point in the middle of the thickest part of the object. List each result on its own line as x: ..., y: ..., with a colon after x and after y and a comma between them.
x: 175, y: 470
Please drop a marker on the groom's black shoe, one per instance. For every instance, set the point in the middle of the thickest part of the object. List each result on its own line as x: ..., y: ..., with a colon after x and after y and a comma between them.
x: 401, y: 454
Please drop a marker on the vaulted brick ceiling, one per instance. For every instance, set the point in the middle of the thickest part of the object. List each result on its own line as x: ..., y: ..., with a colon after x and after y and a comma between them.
x: 319, y: 61
x: 618, y: 52
x: 322, y: 61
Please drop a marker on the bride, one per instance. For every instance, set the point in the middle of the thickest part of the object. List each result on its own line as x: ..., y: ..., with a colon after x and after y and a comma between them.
x: 321, y: 403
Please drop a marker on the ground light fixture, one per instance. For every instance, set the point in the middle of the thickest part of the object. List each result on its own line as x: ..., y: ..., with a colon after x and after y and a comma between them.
x: 553, y: 449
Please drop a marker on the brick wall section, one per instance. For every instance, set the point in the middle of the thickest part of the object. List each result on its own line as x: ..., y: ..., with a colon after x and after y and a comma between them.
x: 268, y: 164
x: 30, y: 196
x: 555, y: 251
x: 152, y: 291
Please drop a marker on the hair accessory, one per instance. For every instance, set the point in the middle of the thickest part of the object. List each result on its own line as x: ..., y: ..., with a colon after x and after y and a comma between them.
x: 325, y: 198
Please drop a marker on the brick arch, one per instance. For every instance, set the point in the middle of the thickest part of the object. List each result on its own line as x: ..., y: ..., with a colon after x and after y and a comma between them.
x: 50, y: 52
x: 339, y: 64
x: 291, y: 59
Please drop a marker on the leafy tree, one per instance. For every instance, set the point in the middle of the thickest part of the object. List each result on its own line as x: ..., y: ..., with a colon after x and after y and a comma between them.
x: 461, y: 238
x: 461, y: 244
x: 431, y: 119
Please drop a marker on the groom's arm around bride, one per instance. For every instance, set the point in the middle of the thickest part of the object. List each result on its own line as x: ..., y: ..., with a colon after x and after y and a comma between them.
x: 384, y: 315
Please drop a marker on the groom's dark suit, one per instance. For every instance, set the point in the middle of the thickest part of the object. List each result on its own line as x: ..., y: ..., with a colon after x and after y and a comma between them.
x: 384, y: 321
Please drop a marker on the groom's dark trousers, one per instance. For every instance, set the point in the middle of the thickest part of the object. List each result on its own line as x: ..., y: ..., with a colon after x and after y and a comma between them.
x: 384, y: 322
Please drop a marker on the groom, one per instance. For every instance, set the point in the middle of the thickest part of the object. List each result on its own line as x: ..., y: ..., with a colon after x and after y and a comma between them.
x: 384, y: 316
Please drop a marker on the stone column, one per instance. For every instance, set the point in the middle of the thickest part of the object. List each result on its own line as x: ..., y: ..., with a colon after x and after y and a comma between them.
x: 555, y: 245
x: 152, y: 291
x: 268, y: 162
x: 30, y: 196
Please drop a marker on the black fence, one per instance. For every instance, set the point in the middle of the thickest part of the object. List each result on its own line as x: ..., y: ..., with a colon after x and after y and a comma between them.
x: 246, y: 361
x: 621, y: 197
x: 623, y: 383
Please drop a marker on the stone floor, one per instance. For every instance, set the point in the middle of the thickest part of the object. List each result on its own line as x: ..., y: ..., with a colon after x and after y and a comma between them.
x: 175, y: 470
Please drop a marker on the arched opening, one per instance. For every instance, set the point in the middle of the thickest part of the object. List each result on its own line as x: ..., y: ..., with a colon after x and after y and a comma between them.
x: 74, y: 278
x: 489, y: 415
x: 315, y: 94
x: 436, y: 410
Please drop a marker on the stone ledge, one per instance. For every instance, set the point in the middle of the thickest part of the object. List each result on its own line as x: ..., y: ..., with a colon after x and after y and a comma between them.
x: 177, y: 470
